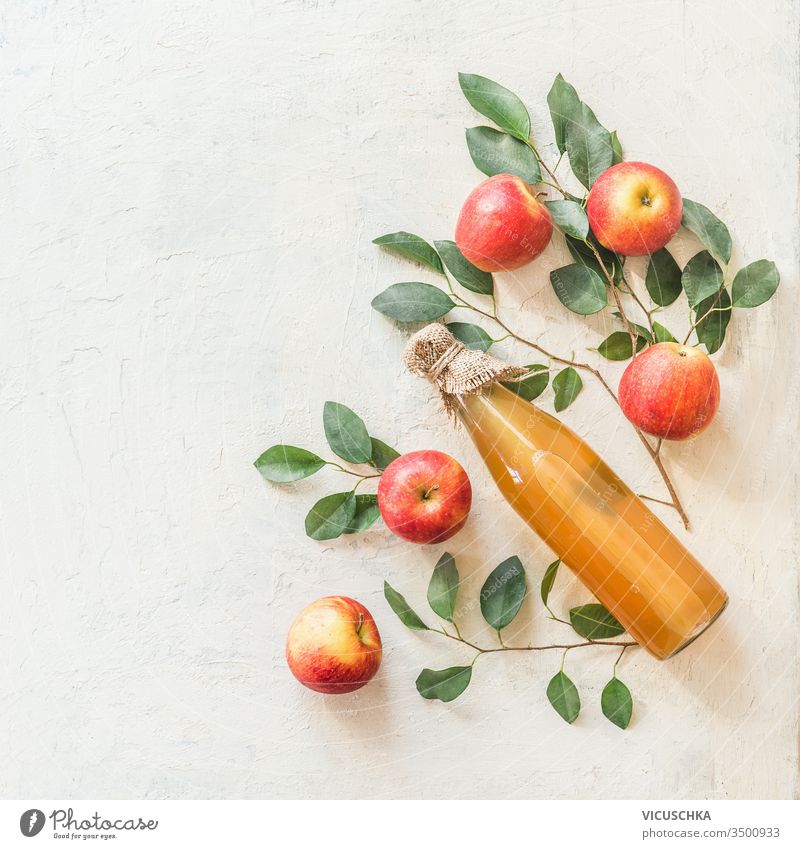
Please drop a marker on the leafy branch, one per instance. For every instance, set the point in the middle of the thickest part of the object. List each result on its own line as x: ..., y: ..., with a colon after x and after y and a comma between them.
x: 582, y: 287
x: 340, y: 513
x: 501, y: 598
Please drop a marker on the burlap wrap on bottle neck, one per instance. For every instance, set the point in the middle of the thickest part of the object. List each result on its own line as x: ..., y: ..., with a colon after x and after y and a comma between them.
x: 454, y: 369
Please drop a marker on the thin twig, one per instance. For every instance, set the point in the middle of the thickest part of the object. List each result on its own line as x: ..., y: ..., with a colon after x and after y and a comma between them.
x: 564, y: 646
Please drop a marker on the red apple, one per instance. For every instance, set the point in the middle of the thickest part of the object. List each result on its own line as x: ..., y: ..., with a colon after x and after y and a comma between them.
x: 670, y: 391
x: 634, y: 209
x: 424, y: 496
x: 502, y: 225
x: 334, y: 645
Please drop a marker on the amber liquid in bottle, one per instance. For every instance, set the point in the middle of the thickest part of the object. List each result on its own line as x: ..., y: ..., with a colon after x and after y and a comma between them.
x: 598, y: 527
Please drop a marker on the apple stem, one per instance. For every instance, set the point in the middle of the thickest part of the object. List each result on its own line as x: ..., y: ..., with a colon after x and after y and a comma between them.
x: 426, y: 495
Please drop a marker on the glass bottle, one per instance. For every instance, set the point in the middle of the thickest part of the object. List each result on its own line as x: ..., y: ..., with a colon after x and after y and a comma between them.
x: 598, y: 527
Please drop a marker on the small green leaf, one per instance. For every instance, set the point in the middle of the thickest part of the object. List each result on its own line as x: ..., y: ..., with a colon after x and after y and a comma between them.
x: 618, y: 346
x: 285, y: 463
x: 366, y: 514
x: 412, y: 302
x: 563, y: 696
x: 588, y: 146
x: 474, y: 337
x: 331, y: 516
x: 564, y: 105
x: 503, y: 593
x: 582, y: 253
x: 661, y: 333
x: 755, y: 284
x: 444, y: 684
x: 443, y: 587
x: 382, y: 454
x: 548, y: 580
x: 569, y: 217
x: 711, y: 329
x: 411, y: 247
x: 497, y: 103
x: 701, y: 278
x: 346, y: 433
x: 617, y: 703
x: 494, y: 152
x: 663, y: 279
x: 467, y: 274
x: 579, y: 288
x: 616, y: 148
x: 567, y: 385
x: 401, y: 607
x: 532, y: 385
x: 708, y: 228
x: 594, y: 622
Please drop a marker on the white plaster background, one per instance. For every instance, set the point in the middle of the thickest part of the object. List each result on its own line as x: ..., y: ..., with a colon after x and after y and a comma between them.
x: 189, y: 191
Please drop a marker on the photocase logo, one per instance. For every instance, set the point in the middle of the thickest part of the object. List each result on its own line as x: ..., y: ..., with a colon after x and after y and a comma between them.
x: 31, y: 822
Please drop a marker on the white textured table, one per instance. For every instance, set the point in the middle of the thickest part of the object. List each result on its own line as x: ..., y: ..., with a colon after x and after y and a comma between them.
x: 189, y: 194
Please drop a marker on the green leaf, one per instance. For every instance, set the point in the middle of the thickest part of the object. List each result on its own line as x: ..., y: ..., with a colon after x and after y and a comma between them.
x: 594, y: 622
x: 616, y: 148
x: 548, y: 580
x: 567, y: 385
x: 618, y: 346
x: 661, y: 333
x: 331, y: 516
x: 701, y: 278
x: 412, y: 302
x: 474, y: 337
x: 708, y: 228
x: 366, y: 514
x: 569, y: 217
x: 382, y: 454
x: 663, y: 279
x: 503, y: 593
x: 285, y: 463
x: 755, y: 284
x: 411, y: 247
x: 467, y: 274
x: 444, y: 684
x: 711, y: 329
x: 582, y: 253
x: 563, y: 696
x: 497, y: 103
x: 443, y: 587
x: 588, y: 146
x: 564, y: 104
x: 346, y: 433
x: 401, y: 607
x: 579, y: 288
x: 617, y: 703
x: 494, y: 152
x: 533, y: 385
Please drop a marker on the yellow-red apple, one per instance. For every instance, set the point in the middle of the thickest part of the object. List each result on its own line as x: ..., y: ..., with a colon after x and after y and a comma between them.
x: 670, y: 391
x: 424, y: 496
x: 634, y: 209
x: 502, y: 225
x: 334, y: 646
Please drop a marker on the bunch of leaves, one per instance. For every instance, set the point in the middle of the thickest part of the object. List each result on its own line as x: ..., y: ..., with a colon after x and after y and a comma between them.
x: 711, y: 290
x: 501, y: 598
x: 340, y: 513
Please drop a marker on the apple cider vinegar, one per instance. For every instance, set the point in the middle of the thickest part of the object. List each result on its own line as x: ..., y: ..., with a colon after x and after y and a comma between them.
x: 592, y: 520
